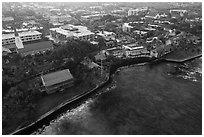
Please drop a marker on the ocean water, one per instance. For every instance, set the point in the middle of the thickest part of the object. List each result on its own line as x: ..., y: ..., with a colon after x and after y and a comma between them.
x: 141, y: 100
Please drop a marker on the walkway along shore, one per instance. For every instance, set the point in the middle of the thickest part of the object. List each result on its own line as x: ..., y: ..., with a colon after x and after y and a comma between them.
x: 77, y: 100
x: 54, y: 113
x: 183, y: 60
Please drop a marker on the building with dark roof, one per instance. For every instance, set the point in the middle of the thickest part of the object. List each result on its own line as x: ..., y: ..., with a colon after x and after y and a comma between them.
x: 56, y: 80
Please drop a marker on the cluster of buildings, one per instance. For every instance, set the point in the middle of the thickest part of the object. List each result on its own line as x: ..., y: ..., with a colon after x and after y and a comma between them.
x: 163, y: 41
x: 132, y: 50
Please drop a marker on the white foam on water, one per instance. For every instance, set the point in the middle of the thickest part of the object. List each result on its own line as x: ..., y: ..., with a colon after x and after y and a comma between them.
x: 74, y: 114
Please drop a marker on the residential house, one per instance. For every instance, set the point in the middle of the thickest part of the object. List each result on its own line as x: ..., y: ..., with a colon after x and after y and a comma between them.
x: 55, y: 81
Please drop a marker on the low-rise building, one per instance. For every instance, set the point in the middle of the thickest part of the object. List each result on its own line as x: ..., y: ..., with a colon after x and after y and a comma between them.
x: 63, y: 33
x: 109, y: 37
x: 127, y: 28
x: 57, y: 80
x: 92, y: 17
x: 24, y: 36
x: 137, y: 11
x: 115, y: 51
x: 134, y: 50
x: 152, y: 15
x: 176, y: 13
x: 60, y: 18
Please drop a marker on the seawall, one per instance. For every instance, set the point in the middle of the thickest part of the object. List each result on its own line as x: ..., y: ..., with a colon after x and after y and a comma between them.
x: 75, y: 101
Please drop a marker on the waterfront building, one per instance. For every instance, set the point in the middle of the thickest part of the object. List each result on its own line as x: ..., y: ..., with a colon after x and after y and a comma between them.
x: 134, y: 50
x: 57, y: 80
x: 8, y: 39
x: 63, y: 33
x: 115, y: 51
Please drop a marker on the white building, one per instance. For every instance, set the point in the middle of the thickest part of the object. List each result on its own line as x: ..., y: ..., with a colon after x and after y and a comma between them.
x: 175, y: 13
x: 132, y: 50
x: 126, y: 27
x: 115, y: 51
x: 24, y: 36
x: 94, y: 16
x: 107, y: 35
x: 137, y: 11
x: 63, y: 33
x: 60, y: 18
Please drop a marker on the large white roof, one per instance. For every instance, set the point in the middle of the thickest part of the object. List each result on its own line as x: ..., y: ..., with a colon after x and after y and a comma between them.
x: 28, y: 33
x: 81, y: 31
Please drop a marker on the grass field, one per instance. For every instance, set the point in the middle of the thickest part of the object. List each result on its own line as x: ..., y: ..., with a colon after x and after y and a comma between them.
x: 36, y: 47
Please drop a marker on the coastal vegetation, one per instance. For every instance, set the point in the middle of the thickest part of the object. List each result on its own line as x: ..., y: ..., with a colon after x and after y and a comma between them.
x: 21, y: 83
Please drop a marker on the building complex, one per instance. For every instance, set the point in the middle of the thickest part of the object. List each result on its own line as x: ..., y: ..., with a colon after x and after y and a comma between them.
x: 63, y: 33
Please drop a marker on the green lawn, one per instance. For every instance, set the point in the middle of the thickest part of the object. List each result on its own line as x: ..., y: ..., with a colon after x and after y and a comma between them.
x: 34, y: 47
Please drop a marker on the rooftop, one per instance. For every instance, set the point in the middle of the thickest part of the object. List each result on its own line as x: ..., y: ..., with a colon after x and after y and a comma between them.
x: 110, y: 50
x: 107, y: 35
x: 127, y: 25
x: 71, y: 30
x: 95, y: 15
x: 56, y: 77
x: 28, y: 33
x: 133, y: 46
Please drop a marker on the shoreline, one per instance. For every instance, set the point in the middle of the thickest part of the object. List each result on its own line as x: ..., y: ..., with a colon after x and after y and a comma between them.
x: 50, y: 115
